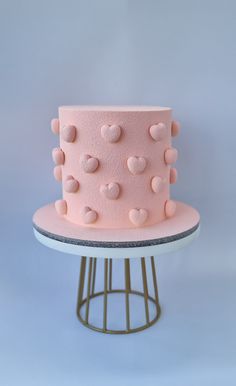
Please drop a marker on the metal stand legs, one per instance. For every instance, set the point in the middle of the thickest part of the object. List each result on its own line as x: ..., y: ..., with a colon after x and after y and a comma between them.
x: 87, y: 283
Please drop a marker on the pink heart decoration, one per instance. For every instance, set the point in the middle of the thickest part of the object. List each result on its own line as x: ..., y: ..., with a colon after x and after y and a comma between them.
x: 58, y: 156
x: 61, y: 207
x: 175, y: 128
x: 68, y: 133
x: 173, y: 175
x: 171, y: 156
x: 138, y: 216
x: 136, y: 165
x: 55, y: 126
x: 88, y: 163
x: 110, y: 191
x: 158, y: 131
x: 89, y: 215
x: 71, y: 185
x: 111, y: 133
x: 170, y: 208
x: 57, y: 173
x: 156, y: 184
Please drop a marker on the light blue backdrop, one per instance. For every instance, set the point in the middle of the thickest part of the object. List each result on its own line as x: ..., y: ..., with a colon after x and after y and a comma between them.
x: 173, y: 53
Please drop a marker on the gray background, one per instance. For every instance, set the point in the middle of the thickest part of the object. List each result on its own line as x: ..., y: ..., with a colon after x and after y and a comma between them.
x: 173, y: 53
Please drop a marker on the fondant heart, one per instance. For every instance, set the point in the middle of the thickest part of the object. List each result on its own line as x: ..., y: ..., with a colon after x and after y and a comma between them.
x: 175, y: 128
x: 158, y: 131
x: 89, y: 215
x: 138, y: 216
x: 55, y: 126
x: 88, y: 163
x: 71, y: 185
x: 136, y: 165
x: 171, y: 156
x: 57, y: 171
x: 170, y: 208
x: 68, y: 133
x: 61, y: 207
x: 156, y: 184
x: 58, y: 156
x: 173, y: 175
x: 111, y: 133
x: 110, y: 191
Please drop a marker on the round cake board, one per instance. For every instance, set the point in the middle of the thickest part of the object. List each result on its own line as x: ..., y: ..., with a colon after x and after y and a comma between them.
x: 56, y: 232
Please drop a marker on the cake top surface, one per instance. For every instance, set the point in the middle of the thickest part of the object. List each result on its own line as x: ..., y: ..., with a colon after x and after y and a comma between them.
x: 115, y: 108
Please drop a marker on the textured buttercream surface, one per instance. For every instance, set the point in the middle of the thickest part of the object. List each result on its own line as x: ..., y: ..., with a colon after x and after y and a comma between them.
x: 118, y: 163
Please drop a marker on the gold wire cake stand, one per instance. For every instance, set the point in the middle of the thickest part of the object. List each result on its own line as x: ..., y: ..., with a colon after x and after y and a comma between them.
x: 98, y: 278
x: 108, y: 290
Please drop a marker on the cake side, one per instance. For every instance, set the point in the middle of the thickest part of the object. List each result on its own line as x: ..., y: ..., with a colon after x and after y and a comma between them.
x: 115, y: 165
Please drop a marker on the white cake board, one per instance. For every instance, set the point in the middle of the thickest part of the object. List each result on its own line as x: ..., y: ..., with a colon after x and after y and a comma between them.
x: 121, y: 252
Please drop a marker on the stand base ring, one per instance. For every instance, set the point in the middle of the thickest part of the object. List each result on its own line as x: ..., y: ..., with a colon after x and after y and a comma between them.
x: 108, y: 331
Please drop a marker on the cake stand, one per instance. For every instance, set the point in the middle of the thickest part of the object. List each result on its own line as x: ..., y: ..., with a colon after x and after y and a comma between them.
x: 106, y: 246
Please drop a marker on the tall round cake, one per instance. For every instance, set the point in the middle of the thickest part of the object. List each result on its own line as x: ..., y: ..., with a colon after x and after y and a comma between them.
x: 115, y: 165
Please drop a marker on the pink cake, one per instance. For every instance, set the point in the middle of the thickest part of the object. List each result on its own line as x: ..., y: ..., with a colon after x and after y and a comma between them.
x: 115, y: 165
